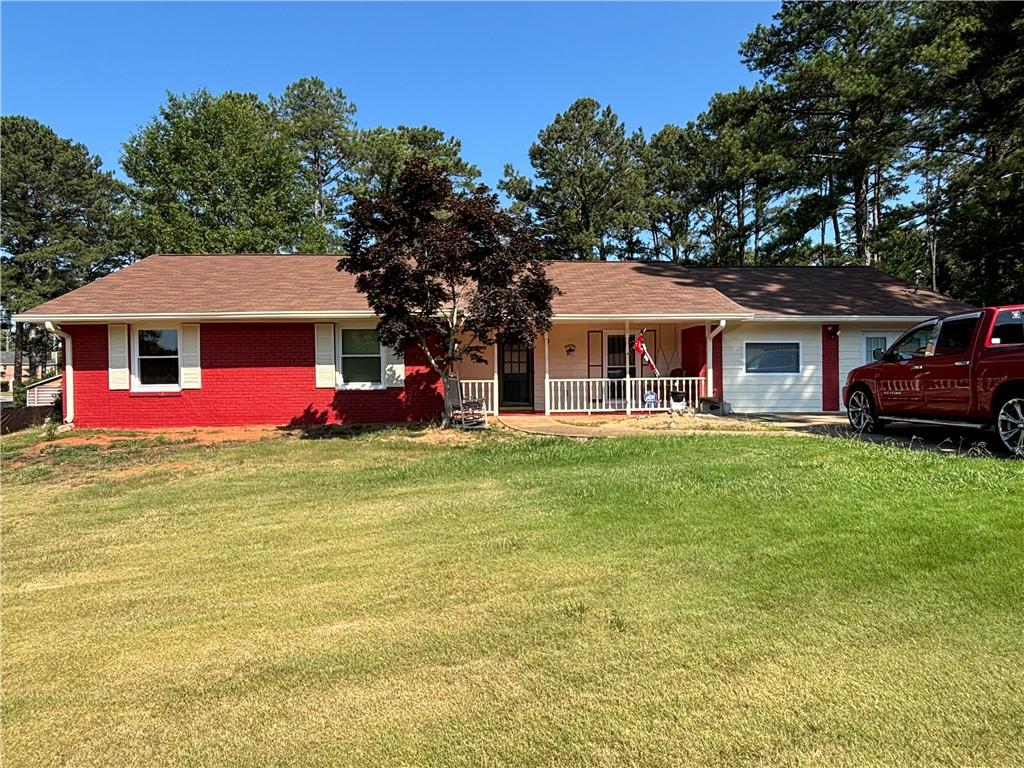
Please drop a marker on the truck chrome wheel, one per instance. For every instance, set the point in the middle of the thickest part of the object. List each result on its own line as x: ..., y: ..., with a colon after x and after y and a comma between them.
x: 1010, y: 425
x: 859, y: 411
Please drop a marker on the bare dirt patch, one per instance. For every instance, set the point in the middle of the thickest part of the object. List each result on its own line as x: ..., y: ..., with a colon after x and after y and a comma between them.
x: 667, y: 422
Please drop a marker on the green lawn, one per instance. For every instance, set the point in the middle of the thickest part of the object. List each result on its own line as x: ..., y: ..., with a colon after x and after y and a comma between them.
x: 392, y: 599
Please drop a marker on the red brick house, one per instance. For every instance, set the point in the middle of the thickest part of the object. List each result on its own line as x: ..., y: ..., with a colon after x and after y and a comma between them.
x: 212, y: 340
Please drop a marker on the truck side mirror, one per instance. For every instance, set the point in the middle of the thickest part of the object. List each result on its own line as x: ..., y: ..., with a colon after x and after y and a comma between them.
x: 877, y: 353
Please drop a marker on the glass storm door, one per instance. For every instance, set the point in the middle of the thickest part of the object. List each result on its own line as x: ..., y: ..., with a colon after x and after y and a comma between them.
x: 516, y: 376
x: 617, y: 354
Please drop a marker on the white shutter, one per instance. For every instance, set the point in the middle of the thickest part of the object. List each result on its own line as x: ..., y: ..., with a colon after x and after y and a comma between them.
x: 191, y: 372
x: 324, y: 358
x: 394, y: 367
x: 117, y: 357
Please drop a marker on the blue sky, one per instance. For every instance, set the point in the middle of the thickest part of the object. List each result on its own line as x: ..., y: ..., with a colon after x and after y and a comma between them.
x: 491, y: 74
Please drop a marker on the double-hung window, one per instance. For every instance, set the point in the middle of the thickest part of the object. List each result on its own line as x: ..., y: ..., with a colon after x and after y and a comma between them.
x: 157, y: 359
x: 874, y: 347
x: 359, y: 352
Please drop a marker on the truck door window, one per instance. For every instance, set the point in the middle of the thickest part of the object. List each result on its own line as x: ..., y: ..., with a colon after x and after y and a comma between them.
x: 916, y: 343
x: 955, y: 335
x: 1009, y: 327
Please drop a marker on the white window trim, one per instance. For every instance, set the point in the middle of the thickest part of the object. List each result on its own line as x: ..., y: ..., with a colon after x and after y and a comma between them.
x: 799, y: 351
x: 341, y: 384
x: 133, y: 346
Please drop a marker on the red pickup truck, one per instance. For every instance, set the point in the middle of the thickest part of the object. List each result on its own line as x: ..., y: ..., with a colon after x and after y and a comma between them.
x: 963, y: 370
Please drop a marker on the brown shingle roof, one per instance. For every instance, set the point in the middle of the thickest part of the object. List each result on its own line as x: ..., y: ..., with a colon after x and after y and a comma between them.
x: 825, y: 291
x: 254, y: 284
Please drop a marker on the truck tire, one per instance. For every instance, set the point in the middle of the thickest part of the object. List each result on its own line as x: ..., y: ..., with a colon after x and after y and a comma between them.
x: 1010, y: 425
x: 860, y: 410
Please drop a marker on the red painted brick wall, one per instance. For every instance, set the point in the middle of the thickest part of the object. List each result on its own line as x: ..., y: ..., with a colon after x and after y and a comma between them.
x: 252, y: 373
x: 830, y: 367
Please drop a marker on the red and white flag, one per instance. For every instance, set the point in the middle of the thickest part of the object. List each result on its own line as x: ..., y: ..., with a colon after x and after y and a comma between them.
x: 641, y: 349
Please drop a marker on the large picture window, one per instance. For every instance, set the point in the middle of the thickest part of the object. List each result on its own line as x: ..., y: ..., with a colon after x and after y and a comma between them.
x: 360, y: 356
x: 772, y: 357
x: 157, y: 358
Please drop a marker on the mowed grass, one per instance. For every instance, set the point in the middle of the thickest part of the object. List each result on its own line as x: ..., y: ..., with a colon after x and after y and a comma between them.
x: 394, y: 599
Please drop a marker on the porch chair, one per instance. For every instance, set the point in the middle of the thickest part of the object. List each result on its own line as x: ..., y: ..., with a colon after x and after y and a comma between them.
x: 467, y: 413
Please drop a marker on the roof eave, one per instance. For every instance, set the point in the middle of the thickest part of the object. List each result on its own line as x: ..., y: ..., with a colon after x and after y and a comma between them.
x: 123, y: 317
x: 667, y: 317
x: 843, y: 318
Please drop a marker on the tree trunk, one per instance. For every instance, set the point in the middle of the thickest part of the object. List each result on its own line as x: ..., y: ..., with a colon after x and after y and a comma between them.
x: 837, y: 232
x: 19, y: 343
x: 741, y: 223
x: 861, y: 225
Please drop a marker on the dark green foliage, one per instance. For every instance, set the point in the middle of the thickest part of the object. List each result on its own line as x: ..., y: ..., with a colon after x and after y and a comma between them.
x: 63, y: 221
x: 587, y: 197
x: 319, y: 124
x: 888, y: 134
x: 212, y: 174
x: 380, y: 154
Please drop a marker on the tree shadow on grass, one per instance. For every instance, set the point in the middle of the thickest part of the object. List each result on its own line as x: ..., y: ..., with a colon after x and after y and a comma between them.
x: 316, y: 425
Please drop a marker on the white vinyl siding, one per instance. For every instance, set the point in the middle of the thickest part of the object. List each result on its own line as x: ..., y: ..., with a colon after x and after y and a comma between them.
x: 754, y: 392
x: 118, y: 373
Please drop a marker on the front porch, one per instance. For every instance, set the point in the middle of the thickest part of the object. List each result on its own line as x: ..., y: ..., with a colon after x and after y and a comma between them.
x: 591, y: 367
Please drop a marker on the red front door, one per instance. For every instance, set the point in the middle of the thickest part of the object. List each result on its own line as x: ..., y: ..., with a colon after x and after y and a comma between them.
x: 947, y: 373
x: 901, y: 375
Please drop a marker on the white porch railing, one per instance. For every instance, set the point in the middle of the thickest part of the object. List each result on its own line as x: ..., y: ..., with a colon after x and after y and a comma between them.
x: 480, y: 389
x: 608, y: 395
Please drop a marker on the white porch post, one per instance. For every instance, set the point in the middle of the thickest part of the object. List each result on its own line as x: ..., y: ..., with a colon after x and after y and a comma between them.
x: 629, y: 384
x: 547, y: 377
x: 494, y: 382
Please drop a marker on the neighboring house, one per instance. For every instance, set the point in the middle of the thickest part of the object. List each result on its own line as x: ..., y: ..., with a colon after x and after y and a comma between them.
x: 50, y: 363
x: 204, y: 340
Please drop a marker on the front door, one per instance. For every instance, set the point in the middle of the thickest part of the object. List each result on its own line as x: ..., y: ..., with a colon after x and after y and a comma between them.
x: 515, y: 379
